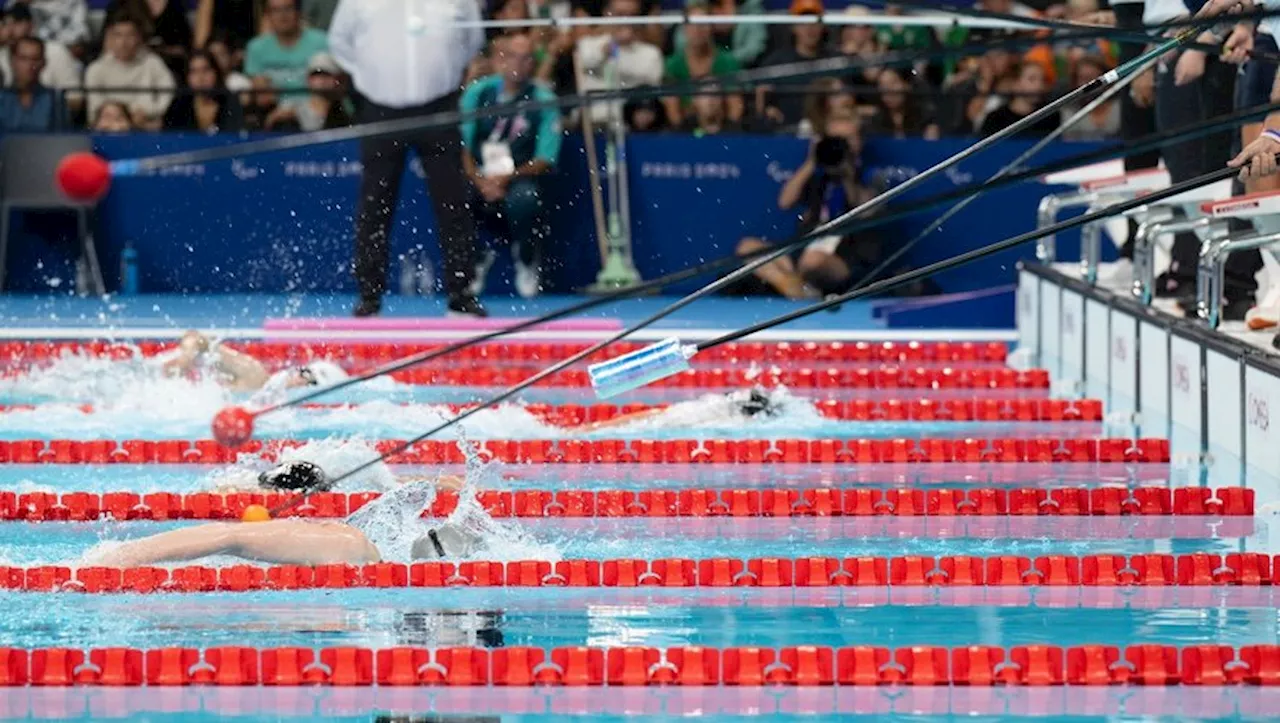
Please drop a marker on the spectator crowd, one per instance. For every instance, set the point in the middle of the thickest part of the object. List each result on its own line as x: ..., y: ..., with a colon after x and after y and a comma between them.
x: 235, y: 65
x: 226, y: 66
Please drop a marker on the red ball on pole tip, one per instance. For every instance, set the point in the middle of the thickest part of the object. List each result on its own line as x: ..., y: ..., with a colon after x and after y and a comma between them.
x: 83, y: 177
x: 233, y: 426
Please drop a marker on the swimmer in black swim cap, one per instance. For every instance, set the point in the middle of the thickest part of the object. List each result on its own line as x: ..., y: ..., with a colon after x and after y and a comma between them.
x: 750, y: 403
x: 758, y: 402
x: 295, y: 476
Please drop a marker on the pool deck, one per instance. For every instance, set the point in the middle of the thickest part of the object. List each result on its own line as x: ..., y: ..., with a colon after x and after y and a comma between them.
x: 243, y: 315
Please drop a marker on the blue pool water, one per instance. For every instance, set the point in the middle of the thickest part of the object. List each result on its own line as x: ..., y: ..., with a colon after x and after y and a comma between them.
x: 550, y: 617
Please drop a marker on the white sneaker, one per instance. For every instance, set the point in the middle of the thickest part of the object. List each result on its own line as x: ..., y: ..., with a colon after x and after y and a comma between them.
x: 482, y: 272
x: 1116, y: 274
x: 528, y: 276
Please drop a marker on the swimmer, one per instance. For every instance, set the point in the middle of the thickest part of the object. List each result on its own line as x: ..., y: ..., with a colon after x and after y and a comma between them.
x: 285, y: 542
x: 301, y: 475
x: 743, y: 404
x: 240, y: 372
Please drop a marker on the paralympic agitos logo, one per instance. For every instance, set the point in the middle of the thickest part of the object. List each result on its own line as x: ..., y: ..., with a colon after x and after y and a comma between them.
x: 1259, y: 412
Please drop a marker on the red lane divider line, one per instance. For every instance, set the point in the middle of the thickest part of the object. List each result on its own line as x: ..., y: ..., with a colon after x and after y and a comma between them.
x: 891, y: 377
x: 862, y: 410
x: 383, y: 352
x: 885, y: 377
x: 707, y: 502
x: 1150, y: 569
x: 620, y: 451
x: 521, y: 666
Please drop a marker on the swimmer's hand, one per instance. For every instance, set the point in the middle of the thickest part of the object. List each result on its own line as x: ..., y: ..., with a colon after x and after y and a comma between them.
x: 1258, y: 159
x: 190, y: 349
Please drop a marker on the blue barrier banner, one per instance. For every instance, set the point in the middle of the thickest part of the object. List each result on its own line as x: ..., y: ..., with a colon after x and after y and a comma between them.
x: 283, y: 222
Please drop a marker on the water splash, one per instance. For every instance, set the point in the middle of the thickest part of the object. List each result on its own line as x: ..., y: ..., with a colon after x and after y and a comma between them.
x: 394, y: 521
x: 720, y: 414
x: 116, y: 388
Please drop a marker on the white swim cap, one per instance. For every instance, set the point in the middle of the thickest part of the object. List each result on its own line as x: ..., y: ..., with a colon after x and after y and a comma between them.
x: 325, y: 373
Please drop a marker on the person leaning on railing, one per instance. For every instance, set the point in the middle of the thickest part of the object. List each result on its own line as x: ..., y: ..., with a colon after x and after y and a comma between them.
x: 325, y: 105
x: 806, y: 43
x: 28, y: 106
x: 617, y: 57
x: 131, y: 74
x: 206, y: 106
x: 900, y: 114
x: 62, y: 71
x: 700, y: 58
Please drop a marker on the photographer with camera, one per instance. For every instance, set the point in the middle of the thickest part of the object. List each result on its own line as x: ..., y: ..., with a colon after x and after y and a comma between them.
x: 825, y: 186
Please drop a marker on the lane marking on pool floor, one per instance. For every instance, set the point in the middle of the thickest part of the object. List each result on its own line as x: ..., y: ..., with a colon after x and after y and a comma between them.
x: 799, y: 703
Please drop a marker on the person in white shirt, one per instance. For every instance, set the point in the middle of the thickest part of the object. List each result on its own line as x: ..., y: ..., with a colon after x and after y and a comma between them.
x: 125, y: 66
x: 407, y: 58
x: 620, y: 53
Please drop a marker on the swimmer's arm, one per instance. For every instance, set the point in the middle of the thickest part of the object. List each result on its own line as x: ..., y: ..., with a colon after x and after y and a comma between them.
x: 189, y: 543
x: 280, y: 542
x: 247, y: 374
x: 193, y: 344
x: 621, y: 420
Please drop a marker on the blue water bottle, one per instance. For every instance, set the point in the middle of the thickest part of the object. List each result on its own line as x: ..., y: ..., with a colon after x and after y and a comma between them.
x: 129, y: 270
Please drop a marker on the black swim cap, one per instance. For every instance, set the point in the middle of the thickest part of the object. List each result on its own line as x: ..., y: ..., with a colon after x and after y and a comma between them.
x: 296, y: 476
x: 758, y: 402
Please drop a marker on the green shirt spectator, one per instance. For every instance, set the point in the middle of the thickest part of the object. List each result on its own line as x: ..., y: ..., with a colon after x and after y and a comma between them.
x: 905, y: 38
x: 747, y: 41
x: 530, y: 134
x: 281, y: 56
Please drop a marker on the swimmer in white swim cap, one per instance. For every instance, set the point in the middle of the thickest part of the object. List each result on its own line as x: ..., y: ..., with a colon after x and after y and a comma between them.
x: 242, y: 373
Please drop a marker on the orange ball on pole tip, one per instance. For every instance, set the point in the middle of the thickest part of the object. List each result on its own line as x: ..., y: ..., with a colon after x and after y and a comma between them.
x: 233, y: 426
x: 83, y: 176
x: 255, y: 513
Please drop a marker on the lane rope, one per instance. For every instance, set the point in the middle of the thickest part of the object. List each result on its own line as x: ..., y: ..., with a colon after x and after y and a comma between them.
x: 679, y: 452
x: 1198, y: 569
x: 982, y: 502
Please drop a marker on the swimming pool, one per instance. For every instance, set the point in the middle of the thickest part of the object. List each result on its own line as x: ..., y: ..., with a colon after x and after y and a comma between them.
x: 914, y: 543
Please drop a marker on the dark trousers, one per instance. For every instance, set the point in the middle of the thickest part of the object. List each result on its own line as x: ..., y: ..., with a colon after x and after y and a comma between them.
x: 520, y: 215
x: 1135, y: 122
x: 1211, y: 95
x: 440, y: 150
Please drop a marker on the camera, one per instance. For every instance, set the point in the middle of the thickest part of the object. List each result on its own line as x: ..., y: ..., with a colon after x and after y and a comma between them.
x: 831, y: 152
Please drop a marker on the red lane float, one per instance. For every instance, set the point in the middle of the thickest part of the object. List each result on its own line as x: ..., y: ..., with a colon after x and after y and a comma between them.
x: 521, y: 666
x: 881, y: 377
x: 911, y: 571
x: 702, y: 502
x: 862, y: 410
x: 379, y: 353
x: 620, y: 451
